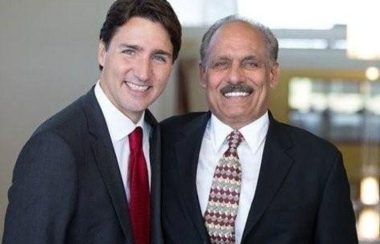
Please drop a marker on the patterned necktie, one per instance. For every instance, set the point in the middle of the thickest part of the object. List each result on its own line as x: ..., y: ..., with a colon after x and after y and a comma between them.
x: 223, y: 201
x: 139, y: 203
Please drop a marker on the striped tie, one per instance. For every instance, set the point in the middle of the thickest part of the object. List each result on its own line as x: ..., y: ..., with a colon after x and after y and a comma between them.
x: 223, y: 201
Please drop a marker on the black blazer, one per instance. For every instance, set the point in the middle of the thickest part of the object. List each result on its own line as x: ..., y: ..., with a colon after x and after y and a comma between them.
x: 67, y: 186
x: 302, y: 194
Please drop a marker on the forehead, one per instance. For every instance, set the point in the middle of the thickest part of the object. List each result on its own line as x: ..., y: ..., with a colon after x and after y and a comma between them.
x: 141, y: 30
x: 237, y: 38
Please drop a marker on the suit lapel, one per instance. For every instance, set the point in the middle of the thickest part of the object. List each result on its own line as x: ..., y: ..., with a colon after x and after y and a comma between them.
x: 187, y: 153
x: 106, y: 161
x: 274, y: 168
x: 155, y: 189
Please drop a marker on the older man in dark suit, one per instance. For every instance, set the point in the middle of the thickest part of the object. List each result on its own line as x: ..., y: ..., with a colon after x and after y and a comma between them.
x: 235, y: 174
x: 91, y: 173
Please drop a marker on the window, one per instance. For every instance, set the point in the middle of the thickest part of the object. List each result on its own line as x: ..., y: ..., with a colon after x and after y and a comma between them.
x: 338, y: 110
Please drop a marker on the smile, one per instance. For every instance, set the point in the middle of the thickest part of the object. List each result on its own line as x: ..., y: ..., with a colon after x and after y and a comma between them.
x: 236, y: 94
x: 135, y: 87
x: 236, y: 90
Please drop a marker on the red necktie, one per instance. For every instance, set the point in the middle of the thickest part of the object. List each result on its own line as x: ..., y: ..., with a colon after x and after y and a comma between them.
x: 139, y: 203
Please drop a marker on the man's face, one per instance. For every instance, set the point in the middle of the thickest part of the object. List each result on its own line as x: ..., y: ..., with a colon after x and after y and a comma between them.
x: 136, y: 65
x: 237, y: 74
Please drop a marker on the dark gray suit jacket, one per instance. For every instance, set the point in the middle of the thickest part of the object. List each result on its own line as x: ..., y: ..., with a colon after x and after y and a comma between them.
x: 302, y: 194
x: 67, y: 186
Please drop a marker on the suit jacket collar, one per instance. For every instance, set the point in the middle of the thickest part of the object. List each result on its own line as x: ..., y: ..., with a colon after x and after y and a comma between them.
x: 107, y: 162
x: 275, y: 166
x: 276, y: 163
x: 187, y: 153
x: 155, y: 190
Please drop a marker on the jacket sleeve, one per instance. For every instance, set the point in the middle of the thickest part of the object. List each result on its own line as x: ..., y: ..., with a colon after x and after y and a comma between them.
x: 336, y: 219
x: 42, y: 194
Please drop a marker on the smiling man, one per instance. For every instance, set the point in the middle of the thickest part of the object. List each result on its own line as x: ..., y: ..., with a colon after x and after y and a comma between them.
x: 235, y: 174
x: 91, y: 173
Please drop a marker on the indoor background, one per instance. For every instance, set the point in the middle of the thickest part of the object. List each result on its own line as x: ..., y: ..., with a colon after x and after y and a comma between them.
x: 328, y: 85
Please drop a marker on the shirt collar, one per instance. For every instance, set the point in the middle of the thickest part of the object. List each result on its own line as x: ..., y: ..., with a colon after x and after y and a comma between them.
x: 119, y: 125
x: 253, y: 133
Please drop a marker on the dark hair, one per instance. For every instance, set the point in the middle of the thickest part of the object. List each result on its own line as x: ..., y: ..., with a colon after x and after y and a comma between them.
x: 271, y: 42
x: 155, y: 10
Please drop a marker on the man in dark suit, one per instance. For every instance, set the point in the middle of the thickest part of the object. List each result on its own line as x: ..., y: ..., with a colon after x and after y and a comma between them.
x: 274, y: 183
x: 73, y: 182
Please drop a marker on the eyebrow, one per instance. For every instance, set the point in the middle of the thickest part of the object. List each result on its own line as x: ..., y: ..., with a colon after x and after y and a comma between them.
x: 227, y: 57
x: 220, y: 58
x: 162, y: 52
x: 135, y: 47
x: 250, y: 58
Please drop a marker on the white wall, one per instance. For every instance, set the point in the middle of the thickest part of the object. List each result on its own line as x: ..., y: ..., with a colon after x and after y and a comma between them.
x: 47, y: 59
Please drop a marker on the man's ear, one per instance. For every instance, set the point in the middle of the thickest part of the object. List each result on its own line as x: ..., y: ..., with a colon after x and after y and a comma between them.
x: 274, y: 75
x: 102, y: 51
x: 202, y: 76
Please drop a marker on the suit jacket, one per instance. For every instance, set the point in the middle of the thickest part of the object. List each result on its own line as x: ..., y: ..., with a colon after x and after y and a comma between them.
x: 67, y: 186
x: 302, y: 194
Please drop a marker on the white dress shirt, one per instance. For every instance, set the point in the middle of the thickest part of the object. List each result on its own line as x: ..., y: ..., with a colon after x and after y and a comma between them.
x: 119, y: 127
x: 250, y: 153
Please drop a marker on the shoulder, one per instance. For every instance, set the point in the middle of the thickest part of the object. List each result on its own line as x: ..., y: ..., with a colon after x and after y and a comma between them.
x: 67, y: 116
x: 63, y: 133
x: 302, y: 140
x: 55, y: 143
x: 188, y: 125
x: 46, y: 147
x: 73, y: 120
x: 181, y: 120
x: 57, y: 137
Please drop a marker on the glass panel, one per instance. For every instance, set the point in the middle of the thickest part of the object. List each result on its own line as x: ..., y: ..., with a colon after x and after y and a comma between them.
x: 338, y: 110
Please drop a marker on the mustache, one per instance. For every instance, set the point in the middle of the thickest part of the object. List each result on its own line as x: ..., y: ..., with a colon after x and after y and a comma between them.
x: 236, y: 88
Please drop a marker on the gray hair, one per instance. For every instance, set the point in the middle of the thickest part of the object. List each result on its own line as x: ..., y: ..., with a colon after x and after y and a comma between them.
x: 271, y: 42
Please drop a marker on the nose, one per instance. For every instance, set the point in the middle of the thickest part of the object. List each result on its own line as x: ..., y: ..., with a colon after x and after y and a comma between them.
x: 143, y: 69
x: 235, y: 74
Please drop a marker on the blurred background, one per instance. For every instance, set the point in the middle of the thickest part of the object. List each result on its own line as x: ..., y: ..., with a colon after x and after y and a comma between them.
x: 329, y: 58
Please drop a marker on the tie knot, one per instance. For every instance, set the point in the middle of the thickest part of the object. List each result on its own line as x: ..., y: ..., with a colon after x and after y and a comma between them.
x: 234, y: 139
x: 135, y: 138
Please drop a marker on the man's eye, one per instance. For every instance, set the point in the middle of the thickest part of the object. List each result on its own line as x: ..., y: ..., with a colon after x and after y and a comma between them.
x: 220, y: 65
x: 160, y: 58
x: 250, y: 64
x: 129, y: 51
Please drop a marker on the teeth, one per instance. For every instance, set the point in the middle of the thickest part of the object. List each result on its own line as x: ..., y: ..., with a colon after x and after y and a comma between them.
x: 236, y: 94
x: 135, y: 87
